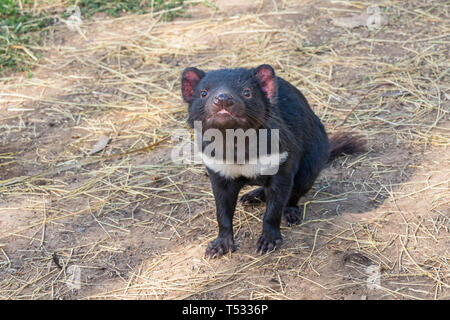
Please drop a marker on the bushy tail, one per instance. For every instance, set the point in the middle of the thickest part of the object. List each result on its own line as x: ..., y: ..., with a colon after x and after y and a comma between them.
x: 345, y: 142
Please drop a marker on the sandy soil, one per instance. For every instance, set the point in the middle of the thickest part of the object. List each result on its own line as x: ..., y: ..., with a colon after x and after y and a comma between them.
x: 121, y: 225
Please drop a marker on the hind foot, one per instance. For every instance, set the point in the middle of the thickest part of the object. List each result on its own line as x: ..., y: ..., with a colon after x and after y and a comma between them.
x: 253, y: 197
x: 292, y: 215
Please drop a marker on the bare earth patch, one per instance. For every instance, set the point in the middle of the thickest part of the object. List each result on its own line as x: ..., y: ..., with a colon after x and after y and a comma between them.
x: 134, y: 225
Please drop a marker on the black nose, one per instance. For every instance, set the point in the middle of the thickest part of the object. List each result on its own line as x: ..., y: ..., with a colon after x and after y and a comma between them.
x: 223, y: 100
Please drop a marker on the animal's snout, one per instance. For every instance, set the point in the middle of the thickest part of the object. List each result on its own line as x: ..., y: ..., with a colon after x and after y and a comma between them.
x: 223, y: 100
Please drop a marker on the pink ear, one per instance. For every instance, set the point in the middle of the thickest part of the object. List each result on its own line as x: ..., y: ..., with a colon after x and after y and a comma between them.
x: 189, y: 80
x: 265, y: 75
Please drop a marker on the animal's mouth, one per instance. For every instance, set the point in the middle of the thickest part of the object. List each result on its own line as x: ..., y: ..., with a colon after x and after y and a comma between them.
x: 224, y: 118
x: 223, y: 112
x: 222, y: 115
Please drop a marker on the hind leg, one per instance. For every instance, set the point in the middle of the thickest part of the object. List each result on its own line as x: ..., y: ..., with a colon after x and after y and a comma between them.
x: 292, y: 213
x: 253, y: 197
x: 302, y: 184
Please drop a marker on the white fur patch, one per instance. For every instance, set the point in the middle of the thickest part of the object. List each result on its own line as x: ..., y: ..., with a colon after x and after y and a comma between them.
x: 265, y: 165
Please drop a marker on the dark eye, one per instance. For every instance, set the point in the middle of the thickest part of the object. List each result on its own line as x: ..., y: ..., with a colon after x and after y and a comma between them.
x: 247, y: 93
x: 203, y: 93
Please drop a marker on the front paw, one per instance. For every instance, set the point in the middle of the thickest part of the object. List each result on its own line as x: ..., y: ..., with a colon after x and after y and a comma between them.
x: 220, y: 246
x: 268, y: 241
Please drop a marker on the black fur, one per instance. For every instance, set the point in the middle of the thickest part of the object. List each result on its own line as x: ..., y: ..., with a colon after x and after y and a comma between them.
x: 273, y: 104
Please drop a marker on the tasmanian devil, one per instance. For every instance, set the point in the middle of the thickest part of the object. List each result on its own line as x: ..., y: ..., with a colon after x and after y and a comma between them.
x: 255, y: 99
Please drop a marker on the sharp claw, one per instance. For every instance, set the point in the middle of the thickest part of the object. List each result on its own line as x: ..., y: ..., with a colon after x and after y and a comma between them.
x: 219, y: 247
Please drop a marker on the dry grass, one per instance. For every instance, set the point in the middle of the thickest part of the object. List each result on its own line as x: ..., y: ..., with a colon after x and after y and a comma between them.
x: 137, y: 224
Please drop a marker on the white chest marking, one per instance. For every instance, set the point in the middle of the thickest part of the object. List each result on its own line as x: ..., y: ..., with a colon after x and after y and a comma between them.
x: 265, y: 165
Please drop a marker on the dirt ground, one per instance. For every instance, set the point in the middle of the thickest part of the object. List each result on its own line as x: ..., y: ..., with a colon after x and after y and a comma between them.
x: 120, y: 224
